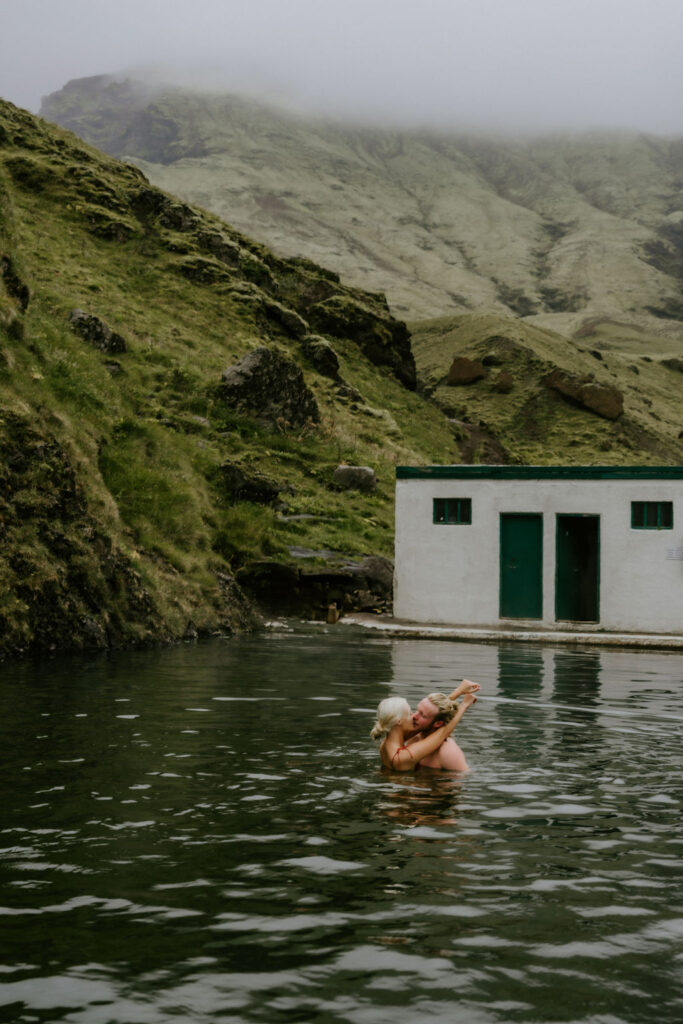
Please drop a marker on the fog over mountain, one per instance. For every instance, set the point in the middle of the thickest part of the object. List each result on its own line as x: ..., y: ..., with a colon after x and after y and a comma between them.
x: 507, y: 65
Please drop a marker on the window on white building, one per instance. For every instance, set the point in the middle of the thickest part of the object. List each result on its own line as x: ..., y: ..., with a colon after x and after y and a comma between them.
x: 652, y: 515
x: 453, y: 510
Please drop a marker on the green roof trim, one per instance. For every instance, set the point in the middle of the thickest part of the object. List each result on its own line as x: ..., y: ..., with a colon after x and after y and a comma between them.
x: 539, y: 473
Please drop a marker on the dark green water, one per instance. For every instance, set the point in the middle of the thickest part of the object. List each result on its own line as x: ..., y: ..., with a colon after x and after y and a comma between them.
x: 203, y: 834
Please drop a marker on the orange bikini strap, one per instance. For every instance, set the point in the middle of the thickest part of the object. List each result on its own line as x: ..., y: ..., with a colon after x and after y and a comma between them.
x: 399, y: 751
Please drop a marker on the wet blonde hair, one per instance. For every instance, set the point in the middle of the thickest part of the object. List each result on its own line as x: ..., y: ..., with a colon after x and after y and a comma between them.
x: 445, y: 707
x: 389, y: 713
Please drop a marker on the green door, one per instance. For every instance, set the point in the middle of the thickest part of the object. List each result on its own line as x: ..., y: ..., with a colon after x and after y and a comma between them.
x: 577, y: 574
x: 521, y: 565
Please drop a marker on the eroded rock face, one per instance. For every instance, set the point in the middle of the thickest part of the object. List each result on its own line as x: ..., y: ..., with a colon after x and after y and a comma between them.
x: 385, y: 341
x: 279, y: 589
x: 465, y: 371
x: 270, y: 386
x: 355, y: 478
x: 603, y: 399
x: 94, y: 330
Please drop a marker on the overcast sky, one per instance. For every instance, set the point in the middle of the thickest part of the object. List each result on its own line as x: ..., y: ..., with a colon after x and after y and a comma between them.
x: 516, y: 64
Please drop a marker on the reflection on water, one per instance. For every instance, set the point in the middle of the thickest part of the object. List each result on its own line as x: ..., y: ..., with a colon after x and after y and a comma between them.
x: 205, y: 834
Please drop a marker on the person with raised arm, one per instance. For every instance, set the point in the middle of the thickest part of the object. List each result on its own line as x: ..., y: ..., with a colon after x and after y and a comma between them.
x: 395, y: 721
x: 431, y: 714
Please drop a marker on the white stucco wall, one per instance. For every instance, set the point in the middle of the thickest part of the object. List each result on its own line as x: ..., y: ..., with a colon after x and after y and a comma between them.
x: 448, y: 573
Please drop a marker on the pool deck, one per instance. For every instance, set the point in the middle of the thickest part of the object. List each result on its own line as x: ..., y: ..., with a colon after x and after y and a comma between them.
x: 429, y: 631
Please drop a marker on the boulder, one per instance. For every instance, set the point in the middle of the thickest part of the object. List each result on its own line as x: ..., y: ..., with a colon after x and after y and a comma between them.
x: 321, y: 356
x: 355, y: 478
x: 673, y: 364
x: 243, y: 486
x: 465, y: 371
x: 94, y: 330
x: 603, y: 399
x: 270, y: 385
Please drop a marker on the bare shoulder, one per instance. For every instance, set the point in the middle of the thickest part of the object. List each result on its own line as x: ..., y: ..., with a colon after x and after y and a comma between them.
x: 451, y: 756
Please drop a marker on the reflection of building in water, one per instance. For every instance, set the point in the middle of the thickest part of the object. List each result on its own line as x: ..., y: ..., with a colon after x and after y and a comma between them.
x: 522, y: 672
x: 540, y: 688
x: 577, y: 677
x: 577, y: 689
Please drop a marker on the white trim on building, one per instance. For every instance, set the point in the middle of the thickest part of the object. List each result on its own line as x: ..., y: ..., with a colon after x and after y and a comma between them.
x: 570, y: 548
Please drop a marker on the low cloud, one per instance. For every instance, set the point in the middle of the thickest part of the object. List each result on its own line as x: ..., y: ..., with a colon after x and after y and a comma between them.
x: 492, y: 64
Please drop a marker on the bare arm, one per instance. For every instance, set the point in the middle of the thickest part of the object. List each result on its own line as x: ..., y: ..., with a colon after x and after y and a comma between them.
x: 404, y: 759
x: 466, y: 686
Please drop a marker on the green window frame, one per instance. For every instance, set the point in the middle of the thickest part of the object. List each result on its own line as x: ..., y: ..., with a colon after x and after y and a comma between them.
x: 451, y: 511
x: 652, y: 515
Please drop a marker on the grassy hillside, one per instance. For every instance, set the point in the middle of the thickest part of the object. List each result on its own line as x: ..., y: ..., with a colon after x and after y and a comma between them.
x: 117, y: 525
x: 510, y: 415
x: 121, y: 309
x: 561, y: 230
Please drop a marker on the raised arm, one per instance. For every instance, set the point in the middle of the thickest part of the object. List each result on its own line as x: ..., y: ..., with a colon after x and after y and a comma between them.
x: 466, y: 686
x: 405, y: 758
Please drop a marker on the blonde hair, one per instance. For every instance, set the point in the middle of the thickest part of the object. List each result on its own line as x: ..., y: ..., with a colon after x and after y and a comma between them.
x: 389, y: 713
x: 445, y: 707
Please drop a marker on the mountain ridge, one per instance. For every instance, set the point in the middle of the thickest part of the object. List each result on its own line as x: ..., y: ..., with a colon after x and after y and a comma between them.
x: 559, y: 229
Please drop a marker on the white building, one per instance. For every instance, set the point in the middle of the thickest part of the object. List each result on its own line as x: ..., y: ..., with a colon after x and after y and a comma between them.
x: 562, y: 548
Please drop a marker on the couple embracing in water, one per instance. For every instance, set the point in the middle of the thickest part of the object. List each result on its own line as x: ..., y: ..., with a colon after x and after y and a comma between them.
x: 423, y: 739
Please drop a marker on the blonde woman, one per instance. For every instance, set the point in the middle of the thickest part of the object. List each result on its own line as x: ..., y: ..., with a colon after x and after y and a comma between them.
x: 394, y: 720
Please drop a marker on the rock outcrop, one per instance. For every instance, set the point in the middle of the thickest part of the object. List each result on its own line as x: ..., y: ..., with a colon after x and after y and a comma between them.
x: 67, y: 584
x: 269, y: 385
x: 94, y: 330
x: 285, y: 589
x: 385, y: 341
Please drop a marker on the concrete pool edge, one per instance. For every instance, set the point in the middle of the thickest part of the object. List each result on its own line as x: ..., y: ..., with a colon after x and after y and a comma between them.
x: 398, y: 628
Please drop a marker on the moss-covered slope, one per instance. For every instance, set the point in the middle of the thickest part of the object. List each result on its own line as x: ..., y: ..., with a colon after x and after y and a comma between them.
x: 119, y: 517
